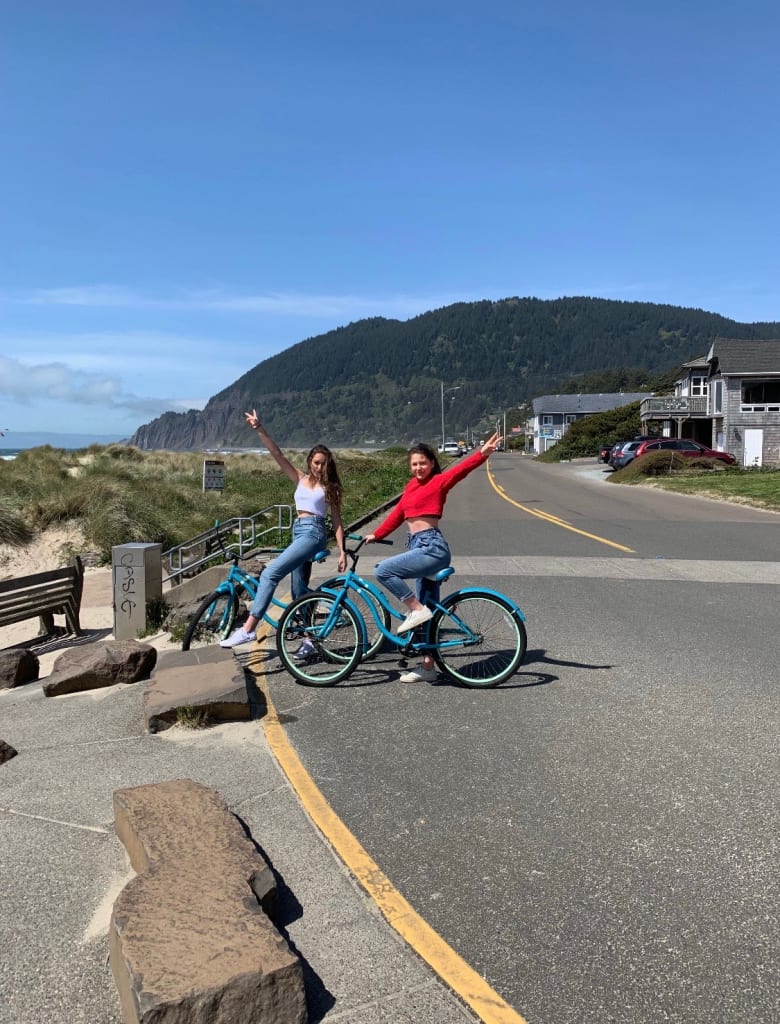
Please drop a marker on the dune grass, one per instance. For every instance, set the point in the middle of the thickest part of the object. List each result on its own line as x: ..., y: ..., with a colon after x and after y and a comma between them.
x: 117, y: 494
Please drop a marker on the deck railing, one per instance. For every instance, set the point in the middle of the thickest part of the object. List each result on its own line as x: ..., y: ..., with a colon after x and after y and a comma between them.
x: 673, y: 405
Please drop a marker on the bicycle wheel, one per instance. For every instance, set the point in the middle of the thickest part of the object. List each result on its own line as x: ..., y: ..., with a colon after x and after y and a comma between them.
x: 364, y: 602
x: 480, y: 638
x: 212, y: 621
x: 336, y: 640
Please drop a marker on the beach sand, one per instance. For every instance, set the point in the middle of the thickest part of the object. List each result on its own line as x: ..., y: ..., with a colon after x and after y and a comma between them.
x: 51, y: 550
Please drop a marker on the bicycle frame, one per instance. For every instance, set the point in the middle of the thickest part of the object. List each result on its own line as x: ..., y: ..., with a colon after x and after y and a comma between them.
x: 359, y: 585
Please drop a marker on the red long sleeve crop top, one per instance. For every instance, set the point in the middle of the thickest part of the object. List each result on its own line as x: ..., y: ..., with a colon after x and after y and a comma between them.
x: 427, y: 497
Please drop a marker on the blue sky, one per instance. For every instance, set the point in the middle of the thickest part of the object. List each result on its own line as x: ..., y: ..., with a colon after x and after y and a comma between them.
x: 189, y: 188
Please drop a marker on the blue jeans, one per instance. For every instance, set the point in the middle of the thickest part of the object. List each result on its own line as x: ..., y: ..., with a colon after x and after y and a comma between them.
x: 427, y: 553
x: 309, y: 537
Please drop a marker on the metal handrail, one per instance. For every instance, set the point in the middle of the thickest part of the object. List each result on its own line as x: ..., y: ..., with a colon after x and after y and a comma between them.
x: 230, y: 536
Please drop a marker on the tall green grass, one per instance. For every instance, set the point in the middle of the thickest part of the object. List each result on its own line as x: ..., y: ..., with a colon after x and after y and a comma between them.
x: 708, y: 478
x: 117, y: 494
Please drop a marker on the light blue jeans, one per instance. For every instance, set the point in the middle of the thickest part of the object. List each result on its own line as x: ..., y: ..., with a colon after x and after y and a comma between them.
x: 427, y: 553
x: 309, y: 537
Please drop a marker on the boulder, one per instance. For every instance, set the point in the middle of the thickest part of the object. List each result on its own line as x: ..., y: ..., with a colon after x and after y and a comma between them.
x: 18, y: 666
x: 101, y: 664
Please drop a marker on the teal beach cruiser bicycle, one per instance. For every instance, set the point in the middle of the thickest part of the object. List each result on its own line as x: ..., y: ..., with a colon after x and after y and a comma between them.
x: 477, y: 636
x: 216, y: 615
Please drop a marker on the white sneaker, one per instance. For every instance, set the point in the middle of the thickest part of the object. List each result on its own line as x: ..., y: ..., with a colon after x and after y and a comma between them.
x: 415, y: 619
x: 305, y: 651
x: 419, y: 675
x: 237, y: 637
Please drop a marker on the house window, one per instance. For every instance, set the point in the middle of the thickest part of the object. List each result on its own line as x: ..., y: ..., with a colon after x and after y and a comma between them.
x: 570, y: 418
x: 547, y: 421
x: 717, y: 404
x: 760, y: 393
x: 699, y: 386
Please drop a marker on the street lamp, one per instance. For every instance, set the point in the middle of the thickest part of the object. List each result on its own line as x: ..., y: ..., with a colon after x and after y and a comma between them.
x: 445, y: 391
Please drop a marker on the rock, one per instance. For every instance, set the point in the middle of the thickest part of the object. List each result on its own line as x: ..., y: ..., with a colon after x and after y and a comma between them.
x: 189, y: 942
x: 101, y: 664
x: 205, y: 684
x: 6, y: 752
x: 18, y: 666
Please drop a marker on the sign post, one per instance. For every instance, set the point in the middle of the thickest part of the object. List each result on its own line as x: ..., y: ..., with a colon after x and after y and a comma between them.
x: 213, y: 475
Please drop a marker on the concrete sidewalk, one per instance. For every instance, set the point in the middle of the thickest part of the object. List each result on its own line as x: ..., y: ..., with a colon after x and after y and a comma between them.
x: 62, y: 866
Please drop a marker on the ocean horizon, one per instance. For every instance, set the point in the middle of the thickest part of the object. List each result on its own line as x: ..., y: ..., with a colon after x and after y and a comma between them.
x: 17, y: 441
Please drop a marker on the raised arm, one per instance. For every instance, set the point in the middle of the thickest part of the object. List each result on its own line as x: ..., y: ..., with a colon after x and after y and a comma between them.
x: 281, y: 459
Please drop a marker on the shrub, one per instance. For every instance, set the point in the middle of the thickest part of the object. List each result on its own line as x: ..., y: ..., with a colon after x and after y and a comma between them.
x: 14, y: 529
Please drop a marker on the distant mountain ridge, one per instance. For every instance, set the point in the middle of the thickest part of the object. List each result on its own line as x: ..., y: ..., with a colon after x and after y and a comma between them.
x: 380, y: 380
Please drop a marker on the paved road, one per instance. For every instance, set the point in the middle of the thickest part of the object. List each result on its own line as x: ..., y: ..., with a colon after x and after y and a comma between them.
x: 598, y: 836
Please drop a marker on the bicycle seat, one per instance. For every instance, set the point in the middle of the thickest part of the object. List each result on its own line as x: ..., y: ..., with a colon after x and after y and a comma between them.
x: 443, y: 574
x: 320, y: 556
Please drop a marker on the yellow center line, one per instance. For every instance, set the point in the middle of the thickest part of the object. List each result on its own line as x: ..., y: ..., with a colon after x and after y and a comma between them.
x: 450, y: 967
x: 555, y: 520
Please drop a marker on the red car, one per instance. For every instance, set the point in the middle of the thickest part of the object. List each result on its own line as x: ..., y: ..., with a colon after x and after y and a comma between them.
x: 684, y: 447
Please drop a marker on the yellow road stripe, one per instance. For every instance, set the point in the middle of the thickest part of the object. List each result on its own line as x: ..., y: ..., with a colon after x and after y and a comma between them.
x: 451, y: 968
x: 555, y: 520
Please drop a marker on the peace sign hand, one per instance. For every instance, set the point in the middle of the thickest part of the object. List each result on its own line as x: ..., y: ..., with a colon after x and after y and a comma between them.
x: 491, y: 444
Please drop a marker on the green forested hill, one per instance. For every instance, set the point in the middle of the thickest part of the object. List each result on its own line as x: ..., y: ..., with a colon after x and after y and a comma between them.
x: 380, y: 380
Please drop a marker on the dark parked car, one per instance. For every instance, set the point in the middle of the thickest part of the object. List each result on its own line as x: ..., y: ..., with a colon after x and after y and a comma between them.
x: 688, y: 449
x: 604, y: 451
x: 623, y: 453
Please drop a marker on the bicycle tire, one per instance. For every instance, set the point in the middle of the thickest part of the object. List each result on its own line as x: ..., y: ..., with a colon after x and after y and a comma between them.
x: 363, y: 602
x: 212, y: 621
x: 500, y: 639
x: 335, y: 654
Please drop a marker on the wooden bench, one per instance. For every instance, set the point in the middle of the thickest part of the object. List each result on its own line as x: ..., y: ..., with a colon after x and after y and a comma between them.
x: 46, y: 594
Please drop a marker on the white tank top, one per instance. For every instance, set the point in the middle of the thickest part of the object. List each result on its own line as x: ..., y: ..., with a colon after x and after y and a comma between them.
x: 310, y: 499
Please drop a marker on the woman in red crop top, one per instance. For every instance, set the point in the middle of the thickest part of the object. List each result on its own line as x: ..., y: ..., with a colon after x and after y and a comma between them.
x: 421, y: 506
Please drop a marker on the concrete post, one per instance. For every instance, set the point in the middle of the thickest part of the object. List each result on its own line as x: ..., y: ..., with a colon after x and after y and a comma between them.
x: 137, y: 578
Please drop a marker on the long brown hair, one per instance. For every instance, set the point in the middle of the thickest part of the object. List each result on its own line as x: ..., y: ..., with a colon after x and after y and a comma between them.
x: 428, y: 452
x: 330, y: 480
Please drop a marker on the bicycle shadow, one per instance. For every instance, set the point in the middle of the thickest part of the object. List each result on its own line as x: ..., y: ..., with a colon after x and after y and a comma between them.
x: 541, y: 655
x: 387, y: 670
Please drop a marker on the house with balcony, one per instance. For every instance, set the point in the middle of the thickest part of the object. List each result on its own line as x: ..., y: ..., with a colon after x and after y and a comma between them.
x: 728, y: 400
x: 552, y: 415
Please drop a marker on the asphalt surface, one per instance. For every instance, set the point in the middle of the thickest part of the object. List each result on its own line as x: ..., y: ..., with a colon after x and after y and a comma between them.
x: 598, y: 836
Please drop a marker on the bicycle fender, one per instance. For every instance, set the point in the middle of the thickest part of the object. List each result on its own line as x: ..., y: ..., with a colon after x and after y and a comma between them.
x: 515, y: 608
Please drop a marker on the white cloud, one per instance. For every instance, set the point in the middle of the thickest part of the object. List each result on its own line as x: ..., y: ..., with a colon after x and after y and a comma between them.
x: 34, y: 383
x: 343, y: 307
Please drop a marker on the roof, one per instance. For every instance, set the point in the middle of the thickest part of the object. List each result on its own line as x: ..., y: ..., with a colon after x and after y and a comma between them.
x: 733, y: 357
x: 586, y: 403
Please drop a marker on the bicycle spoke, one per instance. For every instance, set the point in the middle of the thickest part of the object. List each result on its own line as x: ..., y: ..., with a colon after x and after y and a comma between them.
x: 364, y: 602
x: 317, y: 644
x: 212, y: 620
x: 480, y: 640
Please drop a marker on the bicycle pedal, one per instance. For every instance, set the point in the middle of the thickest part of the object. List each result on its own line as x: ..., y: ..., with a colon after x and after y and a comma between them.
x: 403, y: 663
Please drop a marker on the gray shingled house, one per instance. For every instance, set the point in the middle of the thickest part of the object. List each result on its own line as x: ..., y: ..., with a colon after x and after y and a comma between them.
x: 728, y: 400
x: 554, y: 414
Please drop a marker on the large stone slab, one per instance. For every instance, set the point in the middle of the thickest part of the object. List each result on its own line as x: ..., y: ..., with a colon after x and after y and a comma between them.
x: 189, y: 940
x: 207, y: 685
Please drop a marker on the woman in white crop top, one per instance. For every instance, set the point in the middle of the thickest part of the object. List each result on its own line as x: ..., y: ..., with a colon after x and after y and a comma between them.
x: 316, y: 490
